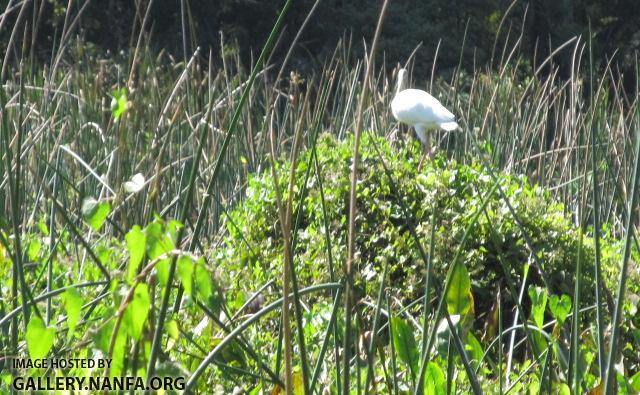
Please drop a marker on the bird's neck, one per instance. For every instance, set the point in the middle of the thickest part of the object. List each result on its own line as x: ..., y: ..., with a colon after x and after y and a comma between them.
x: 400, y: 86
x: 401, y: 82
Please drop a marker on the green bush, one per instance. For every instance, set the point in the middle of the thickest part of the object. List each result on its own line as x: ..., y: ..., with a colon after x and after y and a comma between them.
x: 456, y: 191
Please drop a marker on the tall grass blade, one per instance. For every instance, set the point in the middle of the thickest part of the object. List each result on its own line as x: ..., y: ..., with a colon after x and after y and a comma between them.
x: 622, y: 282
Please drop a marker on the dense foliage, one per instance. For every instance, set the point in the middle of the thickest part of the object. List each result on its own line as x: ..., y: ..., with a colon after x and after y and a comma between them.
x: 535, y: 237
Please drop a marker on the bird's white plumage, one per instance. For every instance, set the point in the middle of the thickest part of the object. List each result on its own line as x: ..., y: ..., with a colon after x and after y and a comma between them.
x: 419, y: 109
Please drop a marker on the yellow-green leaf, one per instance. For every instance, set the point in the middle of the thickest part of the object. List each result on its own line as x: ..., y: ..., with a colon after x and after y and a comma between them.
x: 136, y: 243
x: 459, y: 296
x: 73, y: 307
x: 40, y: 338
x: 137, y: 311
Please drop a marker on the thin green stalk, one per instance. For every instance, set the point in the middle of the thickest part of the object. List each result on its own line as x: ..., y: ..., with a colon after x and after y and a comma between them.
x: 500, y: 380
x: 595, y: 201
x: 351, y: 237
x: 52, y: 238
x: 370, y: 351
x: 394, y: 365
x: 425, y: 305
x: 450, y: 367
x: 285, y: 216
x: 325, y: 344
x: 327, y: 234
x: 16, y: 203
x: 574, y: 360
x: 622, y: 282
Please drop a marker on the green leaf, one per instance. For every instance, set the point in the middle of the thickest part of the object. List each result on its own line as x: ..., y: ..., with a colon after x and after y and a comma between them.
x: 474, y: 349
x: 562, y: 389
x: 204, y: 290
x: 73, y: 307
x: 560, y: 307
x: 159, y: 242
x: 136, y: 244
x: 119, y: 103
x: 405, y: 344
x: 102, y: 338
x: 172, y: 330
x: 95, y: 213
x: 459, y: 296
x: 635, y: 382
x: 185, y: 273
x: 137, y: 311
x: 34, y: 250
x: 39, y: 338
x: 434, y: 380
x: 538, y: 298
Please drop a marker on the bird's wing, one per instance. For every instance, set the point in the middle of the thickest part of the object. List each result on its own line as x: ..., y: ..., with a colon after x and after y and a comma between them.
x: 437, y: 112
x: 414, y: 106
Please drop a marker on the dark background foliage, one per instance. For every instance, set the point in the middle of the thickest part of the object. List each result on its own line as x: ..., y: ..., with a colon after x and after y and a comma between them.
x: 542, y: 24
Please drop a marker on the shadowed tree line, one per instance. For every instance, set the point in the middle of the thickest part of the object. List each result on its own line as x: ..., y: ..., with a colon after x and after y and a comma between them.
x: 467, y: 28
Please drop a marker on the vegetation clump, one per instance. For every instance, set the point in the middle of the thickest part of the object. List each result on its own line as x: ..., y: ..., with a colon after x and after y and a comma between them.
x: 522, y: 233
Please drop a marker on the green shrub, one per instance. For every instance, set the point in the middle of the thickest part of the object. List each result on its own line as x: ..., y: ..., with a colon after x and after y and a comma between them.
x: 253, y: 247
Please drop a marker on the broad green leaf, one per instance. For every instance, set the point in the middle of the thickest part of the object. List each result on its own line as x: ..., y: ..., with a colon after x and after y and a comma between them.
x: 136, y: 244
x: 204, y: 290
x: 102, y: 339
x: 73, y: 307
x: 162, y: 268
x: 474, y: 349
x: 39, y: 338
x: 434, y: 380
x: 159, y: 243
x: 172, y: 227
x: 560, y: 307
x: 405, y: 344
x: 95, y: 213
x: 185, y: 273
x: 137, y: 311
x: 459, y: 296
x: 635, y: 382
x: 538, y: 298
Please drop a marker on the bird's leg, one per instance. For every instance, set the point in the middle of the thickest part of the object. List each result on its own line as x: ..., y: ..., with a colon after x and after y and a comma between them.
x: 429, y: 146
x: 426, y: 151
x: 424, y: 155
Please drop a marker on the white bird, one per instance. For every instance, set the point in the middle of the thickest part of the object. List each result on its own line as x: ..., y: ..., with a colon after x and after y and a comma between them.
x: 419, y: 109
